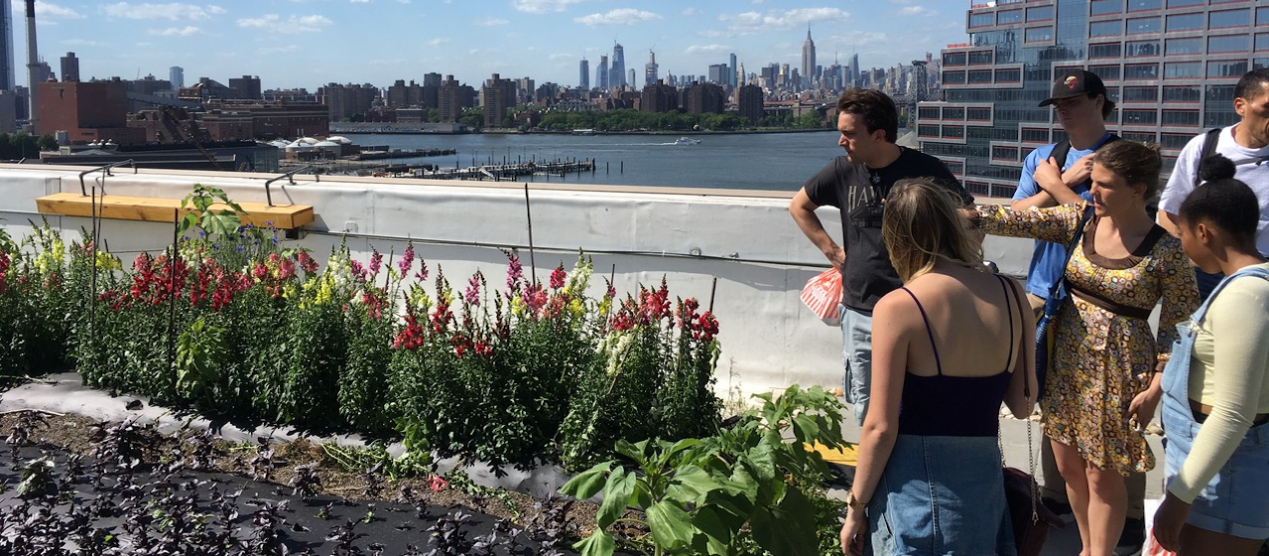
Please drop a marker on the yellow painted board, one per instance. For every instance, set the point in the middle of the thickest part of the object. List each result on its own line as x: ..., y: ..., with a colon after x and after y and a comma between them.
x: 147, y: 209
x: 845, y: 456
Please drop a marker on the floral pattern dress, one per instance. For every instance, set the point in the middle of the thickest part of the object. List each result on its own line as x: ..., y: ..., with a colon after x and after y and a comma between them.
x: 1102, y: 357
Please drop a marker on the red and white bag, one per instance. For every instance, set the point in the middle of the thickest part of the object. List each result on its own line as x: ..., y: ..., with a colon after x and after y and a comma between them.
x: 823, y: 296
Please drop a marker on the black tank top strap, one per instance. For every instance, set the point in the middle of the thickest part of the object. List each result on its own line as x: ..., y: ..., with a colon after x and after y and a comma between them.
x: 1004, y: 285
x: 929, y: 331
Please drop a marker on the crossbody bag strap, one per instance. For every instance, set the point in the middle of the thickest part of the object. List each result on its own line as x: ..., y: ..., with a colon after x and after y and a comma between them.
x: 1055, y: 289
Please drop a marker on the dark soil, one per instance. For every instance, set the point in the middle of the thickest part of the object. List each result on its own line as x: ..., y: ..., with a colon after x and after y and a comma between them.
x: 398, y: 517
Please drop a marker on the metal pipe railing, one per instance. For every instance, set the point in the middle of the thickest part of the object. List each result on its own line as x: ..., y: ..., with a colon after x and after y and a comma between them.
x: 83, y: 188
x: 290, y: 176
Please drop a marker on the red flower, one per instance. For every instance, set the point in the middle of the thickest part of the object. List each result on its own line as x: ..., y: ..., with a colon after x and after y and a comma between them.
x: 557, y: 277
x: 436, y: 483
x: 306, y: 262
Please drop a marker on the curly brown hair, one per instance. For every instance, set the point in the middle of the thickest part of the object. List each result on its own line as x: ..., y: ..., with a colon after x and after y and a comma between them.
x: 1137, y: 163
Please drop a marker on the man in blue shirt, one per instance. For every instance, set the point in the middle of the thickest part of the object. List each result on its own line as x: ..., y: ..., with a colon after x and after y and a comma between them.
x: 1080, y: 105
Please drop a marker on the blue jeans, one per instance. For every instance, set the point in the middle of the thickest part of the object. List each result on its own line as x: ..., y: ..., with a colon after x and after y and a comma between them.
x: 857, y: 359
x: 941, y: 495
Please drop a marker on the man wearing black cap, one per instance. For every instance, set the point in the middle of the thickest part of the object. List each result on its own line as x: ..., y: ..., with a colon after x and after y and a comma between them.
x: 1055, y: 174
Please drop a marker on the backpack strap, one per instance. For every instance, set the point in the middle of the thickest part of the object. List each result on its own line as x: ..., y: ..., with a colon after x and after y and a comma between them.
x: 1211, y: 138
x: 1059, y: 153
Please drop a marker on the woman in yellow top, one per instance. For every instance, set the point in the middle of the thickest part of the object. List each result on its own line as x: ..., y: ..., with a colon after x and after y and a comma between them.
x: 1216, y: 388
x: 1102, y: 385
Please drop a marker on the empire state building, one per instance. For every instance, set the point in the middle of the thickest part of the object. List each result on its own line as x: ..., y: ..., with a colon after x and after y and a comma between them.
x: 808, y: 60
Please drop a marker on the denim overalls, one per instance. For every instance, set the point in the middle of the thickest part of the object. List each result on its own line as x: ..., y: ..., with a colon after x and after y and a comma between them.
x: 1236, y: 501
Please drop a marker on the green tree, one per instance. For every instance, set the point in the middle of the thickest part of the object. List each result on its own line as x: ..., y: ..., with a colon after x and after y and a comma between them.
x: 47, y: 143
x: 811, y: 120
x: 474, y: 120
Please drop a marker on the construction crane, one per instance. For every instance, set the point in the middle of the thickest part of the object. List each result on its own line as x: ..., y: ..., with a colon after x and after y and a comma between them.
x: 187, y: 132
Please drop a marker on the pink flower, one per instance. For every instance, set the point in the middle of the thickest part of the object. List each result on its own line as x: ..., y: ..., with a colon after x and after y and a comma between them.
x: 376, y: 262
x: 515, y: 272
x: 407, y: 260
x: 472, y: 293
x: 557, y: 277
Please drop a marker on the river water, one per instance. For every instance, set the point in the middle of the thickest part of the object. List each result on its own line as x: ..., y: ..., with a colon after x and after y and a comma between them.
x: 765, y: 161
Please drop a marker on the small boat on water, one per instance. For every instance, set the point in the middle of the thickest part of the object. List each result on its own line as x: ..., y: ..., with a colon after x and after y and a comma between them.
x: 583, y: 132
x: 686, y: 141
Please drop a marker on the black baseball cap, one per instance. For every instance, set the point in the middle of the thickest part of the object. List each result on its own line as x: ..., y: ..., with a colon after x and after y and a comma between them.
x: 1075, y: 83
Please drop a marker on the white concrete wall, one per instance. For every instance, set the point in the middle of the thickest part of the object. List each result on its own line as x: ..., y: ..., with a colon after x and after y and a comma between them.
x: 746, y: 240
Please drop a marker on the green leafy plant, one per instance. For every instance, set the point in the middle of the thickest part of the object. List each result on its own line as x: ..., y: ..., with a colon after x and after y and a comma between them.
x: 200, y: 350
x: 200, y: 204
x: 720, y: 494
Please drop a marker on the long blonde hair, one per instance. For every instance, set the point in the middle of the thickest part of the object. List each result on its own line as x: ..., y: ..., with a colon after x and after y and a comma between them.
x: 922, y: 224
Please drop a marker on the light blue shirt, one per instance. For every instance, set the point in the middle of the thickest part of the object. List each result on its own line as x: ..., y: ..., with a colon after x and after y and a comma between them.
x: 1048, y: 259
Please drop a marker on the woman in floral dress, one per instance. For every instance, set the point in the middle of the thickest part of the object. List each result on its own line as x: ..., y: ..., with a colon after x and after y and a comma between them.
x: 1103, y: 383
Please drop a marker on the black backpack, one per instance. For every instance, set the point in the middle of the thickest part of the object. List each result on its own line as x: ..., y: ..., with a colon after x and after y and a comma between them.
x: 1063, y: 148
x: 1210, y: 138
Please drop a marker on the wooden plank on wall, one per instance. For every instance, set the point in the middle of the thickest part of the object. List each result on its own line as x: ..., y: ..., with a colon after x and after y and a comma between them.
x: 148, y: 209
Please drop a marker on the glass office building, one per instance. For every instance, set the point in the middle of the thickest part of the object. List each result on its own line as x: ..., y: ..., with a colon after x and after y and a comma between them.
x: 1170, y: 65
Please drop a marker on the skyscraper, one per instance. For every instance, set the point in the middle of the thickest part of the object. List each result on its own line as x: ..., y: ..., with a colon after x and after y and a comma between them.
x: 583, y: 70
x: 1172, y: 72
x: 618, y: 68
x: 854, y: 70
x: 6, y: 47
x: 808, y: 60
x: 177, y: 76
x: 601, y: 73
x: 734, y: 81
x: 650, y: 70
x: 70, y: 67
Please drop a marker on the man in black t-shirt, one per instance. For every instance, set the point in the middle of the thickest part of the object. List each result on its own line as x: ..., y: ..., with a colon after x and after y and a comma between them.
x: 857, y: 184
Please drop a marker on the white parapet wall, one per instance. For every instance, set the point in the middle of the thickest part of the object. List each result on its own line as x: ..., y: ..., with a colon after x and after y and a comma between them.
x: 745, y: 239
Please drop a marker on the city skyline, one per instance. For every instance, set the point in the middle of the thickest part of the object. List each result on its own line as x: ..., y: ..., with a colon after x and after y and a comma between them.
x: 307, y: 43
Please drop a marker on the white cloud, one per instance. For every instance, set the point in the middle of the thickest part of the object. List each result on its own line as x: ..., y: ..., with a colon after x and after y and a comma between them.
x: 172, y: 12
x: 82, y: 42
x: 543, y: 6
x: 279, y: 49
x: 689, y: 12
x: 290, y: 25
x: 491, y: 22
x: 561, y: 56
x: 187, y: 31
x: 917, y: 11
x: 707, y: 48
x: 620, y: 16
x: 752, y: 23
x: 438, y: 41
x: 45, y: 10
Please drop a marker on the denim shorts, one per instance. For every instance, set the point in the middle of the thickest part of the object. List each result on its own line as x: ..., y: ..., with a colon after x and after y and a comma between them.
x: 1236, y: 501
x: 941, y: 495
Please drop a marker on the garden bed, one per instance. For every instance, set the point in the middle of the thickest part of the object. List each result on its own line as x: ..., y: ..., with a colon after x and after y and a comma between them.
x: 112, y: 481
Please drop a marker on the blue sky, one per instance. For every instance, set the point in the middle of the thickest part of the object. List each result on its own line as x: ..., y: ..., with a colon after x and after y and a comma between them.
x: 306, y: 43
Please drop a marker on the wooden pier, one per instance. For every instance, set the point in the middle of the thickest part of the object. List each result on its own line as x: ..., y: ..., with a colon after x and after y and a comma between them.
x: 499, y: 172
